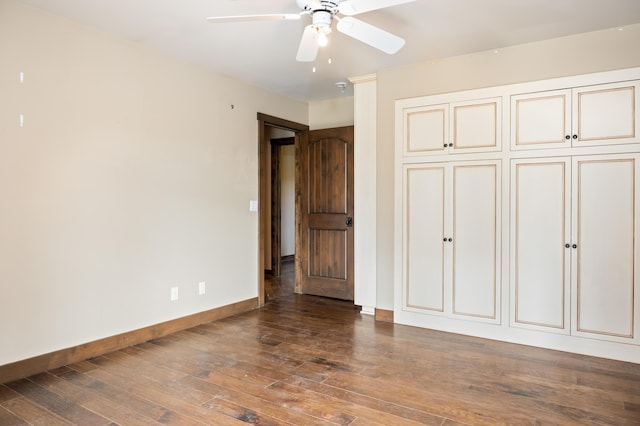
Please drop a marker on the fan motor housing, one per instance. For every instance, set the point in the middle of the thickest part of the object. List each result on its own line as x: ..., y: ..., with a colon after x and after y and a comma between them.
x: 322, y: 18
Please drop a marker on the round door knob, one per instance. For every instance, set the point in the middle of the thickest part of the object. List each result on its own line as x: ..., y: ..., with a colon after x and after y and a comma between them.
x: 574, y: 246
x: 567, y: 137
x: 567, y: 245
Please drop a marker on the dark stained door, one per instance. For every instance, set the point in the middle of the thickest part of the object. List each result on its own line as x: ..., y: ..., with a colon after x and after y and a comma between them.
x: 326, y: 212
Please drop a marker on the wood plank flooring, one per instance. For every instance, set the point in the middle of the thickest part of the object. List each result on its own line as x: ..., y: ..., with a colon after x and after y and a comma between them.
x: 306, y: 360
x: 281, y: 285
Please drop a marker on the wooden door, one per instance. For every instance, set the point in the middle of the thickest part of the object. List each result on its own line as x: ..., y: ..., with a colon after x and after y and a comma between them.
x: 326, y: 213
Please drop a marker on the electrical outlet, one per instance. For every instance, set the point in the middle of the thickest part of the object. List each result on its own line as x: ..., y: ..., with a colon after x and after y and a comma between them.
x: 174, y: 294
x: 202, y: 288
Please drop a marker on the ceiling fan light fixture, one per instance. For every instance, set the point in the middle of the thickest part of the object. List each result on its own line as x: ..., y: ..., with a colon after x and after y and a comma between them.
x: 322, y: 39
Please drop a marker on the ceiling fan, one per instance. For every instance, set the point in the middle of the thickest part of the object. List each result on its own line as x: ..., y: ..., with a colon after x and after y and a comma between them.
x: 322, y: 13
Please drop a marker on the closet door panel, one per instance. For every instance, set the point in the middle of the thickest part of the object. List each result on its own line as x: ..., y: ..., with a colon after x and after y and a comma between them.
x: 475, y: 242
x: 604, y: 235
x: 424, y: 235
x: 541, y: 120
x: 426, y: 130
x: 540, y: 214
x: 606, y: 114
x: 477, y: 125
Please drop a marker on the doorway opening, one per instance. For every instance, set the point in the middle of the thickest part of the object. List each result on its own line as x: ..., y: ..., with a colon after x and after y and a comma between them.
x: 277, y: 142
x: 280, y: 245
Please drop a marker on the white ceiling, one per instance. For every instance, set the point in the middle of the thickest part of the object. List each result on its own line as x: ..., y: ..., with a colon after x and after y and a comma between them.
x: 263, y: 53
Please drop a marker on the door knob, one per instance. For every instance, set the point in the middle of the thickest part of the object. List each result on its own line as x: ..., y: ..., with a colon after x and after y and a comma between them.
x: 349, y: 222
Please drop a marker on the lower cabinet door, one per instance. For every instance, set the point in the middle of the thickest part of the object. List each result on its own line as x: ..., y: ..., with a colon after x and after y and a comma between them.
x: 604, y: 235
x: 424, y: 245
x: 540, y: 231
x: 476, y: 246
x: 451, y: 244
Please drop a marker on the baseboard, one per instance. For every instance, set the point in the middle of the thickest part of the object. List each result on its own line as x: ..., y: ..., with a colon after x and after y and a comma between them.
x: 41, y: 363
x: 384, y: 315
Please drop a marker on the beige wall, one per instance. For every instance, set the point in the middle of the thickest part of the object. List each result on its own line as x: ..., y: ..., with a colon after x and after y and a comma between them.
x: 579, y: 54
x: 131, y: 175
x: 328, y: 113
x: 288, y: 194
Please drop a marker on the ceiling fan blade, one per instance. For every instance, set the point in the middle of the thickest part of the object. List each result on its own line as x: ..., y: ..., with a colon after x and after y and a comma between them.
x: 308, y: 48
x: 354, y: 7
x: 242, y: 18
x: 371, y: 35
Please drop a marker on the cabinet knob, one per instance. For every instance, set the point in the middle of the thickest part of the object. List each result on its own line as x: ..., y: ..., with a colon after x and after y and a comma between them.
x: 444, y: 239
x: 575, y: 136
x: 567, y: 245
x: 446, y: 145
x: 450, y: 239
x: 451, y: 144
x: 574, y: 246
x: 567, y: 137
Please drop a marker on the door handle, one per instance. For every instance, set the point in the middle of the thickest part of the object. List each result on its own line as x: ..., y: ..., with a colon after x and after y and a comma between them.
x: 349, y: 222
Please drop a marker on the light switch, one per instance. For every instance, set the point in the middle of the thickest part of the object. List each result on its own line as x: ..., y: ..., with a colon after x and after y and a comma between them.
x: 253, y: 205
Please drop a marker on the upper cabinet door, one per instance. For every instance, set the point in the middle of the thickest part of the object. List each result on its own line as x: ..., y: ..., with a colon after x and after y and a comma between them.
x: 476, y: 126
x: 599, y: 115
x: 461, y: 127
x: 606, y: 114
x: 426, y: 130
x: 541, y: 120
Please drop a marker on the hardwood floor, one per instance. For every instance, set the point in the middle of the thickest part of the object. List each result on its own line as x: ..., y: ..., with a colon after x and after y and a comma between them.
x: 307, y: 360
x: 282, y: 285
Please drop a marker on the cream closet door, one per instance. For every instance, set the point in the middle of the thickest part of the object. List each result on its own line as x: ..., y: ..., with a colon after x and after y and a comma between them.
x: 424, y: 234
x: 540, y: 249
x: 451, y: 238
x: 475, y: 248
x: 604, y: 235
